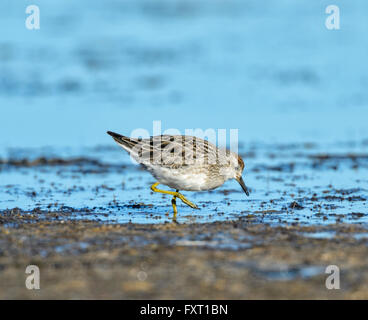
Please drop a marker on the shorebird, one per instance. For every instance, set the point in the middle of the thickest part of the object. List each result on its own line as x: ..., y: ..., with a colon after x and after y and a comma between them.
x: 184, y: 163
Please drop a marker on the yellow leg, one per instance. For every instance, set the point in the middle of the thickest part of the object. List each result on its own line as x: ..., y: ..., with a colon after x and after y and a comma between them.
x: 175, y: 194
x: 173, y: 202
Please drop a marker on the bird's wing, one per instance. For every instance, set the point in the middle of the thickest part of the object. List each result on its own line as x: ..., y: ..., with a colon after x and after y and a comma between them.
x: 172, y: 151
x: 177, y: 151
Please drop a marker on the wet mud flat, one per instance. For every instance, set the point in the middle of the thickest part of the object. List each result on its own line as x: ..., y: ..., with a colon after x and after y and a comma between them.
x: 219, y: 260
x: 95, y: 230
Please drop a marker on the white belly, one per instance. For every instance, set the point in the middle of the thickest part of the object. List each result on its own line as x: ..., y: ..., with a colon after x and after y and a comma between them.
x: 182, y: 179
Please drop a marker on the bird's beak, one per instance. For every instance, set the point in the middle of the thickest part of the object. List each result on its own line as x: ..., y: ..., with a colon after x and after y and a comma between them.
x: 244, y: 187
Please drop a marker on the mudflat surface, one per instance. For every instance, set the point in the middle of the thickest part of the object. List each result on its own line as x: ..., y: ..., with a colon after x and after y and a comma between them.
x: 95, y: 229
x: 238, y: 260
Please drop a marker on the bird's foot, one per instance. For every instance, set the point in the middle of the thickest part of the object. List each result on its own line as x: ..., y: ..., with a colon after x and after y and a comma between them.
x: 186, y: 201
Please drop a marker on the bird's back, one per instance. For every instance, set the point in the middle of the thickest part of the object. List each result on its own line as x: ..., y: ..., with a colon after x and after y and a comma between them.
x: 174, y: 151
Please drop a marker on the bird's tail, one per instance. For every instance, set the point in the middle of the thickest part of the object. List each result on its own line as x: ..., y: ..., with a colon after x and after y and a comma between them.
x: 127, y: 143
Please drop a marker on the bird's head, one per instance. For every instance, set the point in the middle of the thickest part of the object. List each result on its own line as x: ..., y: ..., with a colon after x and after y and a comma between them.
x: 237, y: 165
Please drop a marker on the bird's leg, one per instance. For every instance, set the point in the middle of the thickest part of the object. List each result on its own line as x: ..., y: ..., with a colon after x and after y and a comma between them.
x: 153, y: 188
x: 173, y: 202
x: 175, y: 194
x: 187, y: 202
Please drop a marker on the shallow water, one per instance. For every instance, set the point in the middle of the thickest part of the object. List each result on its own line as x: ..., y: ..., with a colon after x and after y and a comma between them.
x: 272, y: 71
x: 294, y: 90
x: 322, y: 185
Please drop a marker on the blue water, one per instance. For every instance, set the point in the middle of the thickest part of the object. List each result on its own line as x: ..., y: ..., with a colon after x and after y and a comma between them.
x: 272, y: 70
x: 117, y: 191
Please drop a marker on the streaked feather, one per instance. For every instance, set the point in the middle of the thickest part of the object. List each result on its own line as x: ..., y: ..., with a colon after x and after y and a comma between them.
x: 174, y: 151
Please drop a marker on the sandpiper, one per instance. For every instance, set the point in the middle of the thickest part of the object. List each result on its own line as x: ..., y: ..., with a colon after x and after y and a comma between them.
x: 184, y: 163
